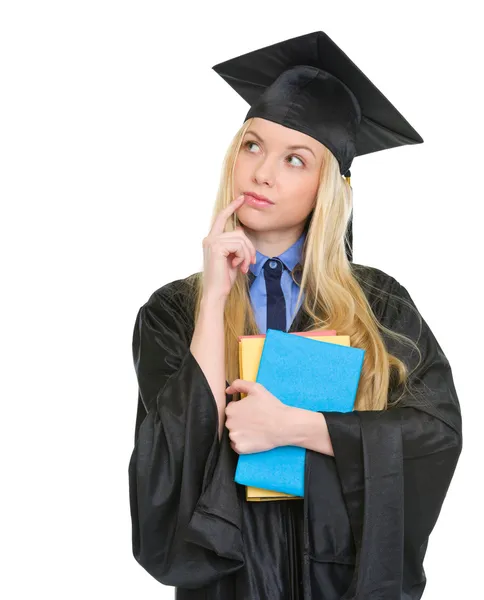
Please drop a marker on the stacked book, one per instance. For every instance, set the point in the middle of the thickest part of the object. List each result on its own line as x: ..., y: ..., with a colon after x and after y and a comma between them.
x: 316, y: 370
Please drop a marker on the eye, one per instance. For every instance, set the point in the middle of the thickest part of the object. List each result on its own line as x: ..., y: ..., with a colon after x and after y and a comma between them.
x: 251, y: 143
x: 299, y: 159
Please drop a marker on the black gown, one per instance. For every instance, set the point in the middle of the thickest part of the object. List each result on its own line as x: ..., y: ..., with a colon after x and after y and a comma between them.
x: 362, y: 529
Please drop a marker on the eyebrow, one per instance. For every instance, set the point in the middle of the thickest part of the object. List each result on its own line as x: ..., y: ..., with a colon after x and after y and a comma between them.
x: 294, y: 147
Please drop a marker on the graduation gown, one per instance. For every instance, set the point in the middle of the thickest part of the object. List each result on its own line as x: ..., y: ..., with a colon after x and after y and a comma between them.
x: 362, y: 529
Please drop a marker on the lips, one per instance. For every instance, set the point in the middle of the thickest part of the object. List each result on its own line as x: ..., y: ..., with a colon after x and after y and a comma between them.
x: 257, y: 204
x: 258, y: 197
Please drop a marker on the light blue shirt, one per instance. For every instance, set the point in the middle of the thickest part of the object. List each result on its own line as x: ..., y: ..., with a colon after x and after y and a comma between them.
x: 258, y: 293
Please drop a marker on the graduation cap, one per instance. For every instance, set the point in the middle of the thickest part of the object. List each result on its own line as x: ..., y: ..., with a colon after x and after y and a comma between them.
x: 307, y: 83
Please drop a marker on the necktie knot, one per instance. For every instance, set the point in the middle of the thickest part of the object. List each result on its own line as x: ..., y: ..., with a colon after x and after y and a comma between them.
x: 273, y: 268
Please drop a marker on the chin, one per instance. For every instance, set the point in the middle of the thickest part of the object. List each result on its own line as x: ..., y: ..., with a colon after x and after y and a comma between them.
x: 256, y: 226
x: 250, y: 221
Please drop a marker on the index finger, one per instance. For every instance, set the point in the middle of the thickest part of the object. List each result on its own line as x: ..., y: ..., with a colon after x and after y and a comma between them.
x: 221, y: 219
x: 241, y: 385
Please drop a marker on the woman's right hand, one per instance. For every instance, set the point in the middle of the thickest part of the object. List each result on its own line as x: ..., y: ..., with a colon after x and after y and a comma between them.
x: 224, y: 253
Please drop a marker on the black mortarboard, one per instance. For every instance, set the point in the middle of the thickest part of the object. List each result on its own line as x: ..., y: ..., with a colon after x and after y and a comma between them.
x: 307, y: 83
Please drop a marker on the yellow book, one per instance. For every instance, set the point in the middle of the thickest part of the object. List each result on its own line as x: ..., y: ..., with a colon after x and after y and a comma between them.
x: 250, y: 352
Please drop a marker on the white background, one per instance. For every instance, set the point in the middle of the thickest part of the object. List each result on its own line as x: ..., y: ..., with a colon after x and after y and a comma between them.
x: 113, y: 130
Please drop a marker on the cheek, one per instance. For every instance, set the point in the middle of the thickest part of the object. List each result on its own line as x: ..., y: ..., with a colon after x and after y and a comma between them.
x: 309, y: 188
x: 303, y: 189
x: 297, y: 202
x: 240, y: 167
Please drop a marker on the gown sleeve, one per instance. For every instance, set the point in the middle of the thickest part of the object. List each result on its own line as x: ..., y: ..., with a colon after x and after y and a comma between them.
x: 175, y: 538
x: 395, y: 466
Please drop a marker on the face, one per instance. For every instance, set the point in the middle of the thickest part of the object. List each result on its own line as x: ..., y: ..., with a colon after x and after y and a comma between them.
x: 283, y: 165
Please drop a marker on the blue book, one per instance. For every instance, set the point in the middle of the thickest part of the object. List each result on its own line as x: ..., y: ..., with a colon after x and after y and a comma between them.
x: 304, y: 373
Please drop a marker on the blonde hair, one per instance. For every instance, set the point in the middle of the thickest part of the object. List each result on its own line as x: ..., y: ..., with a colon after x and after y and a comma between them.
x: 333, y: 298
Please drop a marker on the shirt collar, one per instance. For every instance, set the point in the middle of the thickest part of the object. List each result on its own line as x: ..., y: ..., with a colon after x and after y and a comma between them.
x: 290, y: 258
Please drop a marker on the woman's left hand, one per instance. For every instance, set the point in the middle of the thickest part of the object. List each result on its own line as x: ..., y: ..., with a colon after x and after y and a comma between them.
x: 257, y: 422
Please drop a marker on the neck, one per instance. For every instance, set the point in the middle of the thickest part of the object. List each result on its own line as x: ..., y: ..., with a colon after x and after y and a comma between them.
x: 273, y: 243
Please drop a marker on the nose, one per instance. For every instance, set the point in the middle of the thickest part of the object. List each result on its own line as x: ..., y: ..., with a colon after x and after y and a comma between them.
x: 264, y: 173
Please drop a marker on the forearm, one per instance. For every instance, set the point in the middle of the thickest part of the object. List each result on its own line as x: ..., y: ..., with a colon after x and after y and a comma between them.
x: 208, y: 348
x: 308, y: 429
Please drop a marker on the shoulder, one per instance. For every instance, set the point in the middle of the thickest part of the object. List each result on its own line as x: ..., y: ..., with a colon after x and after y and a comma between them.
x: 173, y: 302
x: 371, y: 277
x: 177, y: 291
x: 388, y: 298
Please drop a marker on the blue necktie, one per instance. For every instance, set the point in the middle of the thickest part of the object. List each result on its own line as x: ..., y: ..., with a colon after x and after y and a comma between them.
x: 276, y: 304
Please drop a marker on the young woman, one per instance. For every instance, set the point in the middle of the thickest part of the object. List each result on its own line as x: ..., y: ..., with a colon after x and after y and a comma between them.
x: 375, y: 478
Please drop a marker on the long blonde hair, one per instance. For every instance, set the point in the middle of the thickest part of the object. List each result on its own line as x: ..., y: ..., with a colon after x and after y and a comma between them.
x: 333, y: 298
